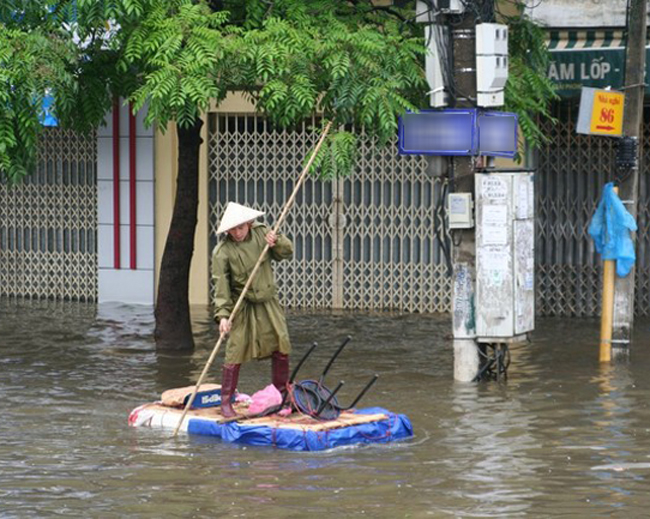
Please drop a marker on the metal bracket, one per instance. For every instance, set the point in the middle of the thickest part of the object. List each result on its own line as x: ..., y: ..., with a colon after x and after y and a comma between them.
x: 633, y: 86
x: 464, y: 34
x: 616, y: 341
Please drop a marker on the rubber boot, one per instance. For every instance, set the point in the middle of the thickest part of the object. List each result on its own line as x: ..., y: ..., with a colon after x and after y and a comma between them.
x: 280, y: 370
x: 229, y: 379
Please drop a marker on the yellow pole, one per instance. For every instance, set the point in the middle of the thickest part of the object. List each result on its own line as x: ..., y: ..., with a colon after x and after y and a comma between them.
x: 607, y: 315
x: 607, y: 312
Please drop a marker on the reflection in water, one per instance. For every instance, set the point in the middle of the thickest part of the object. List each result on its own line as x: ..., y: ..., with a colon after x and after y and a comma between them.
x: 612, y: 418
x: 177, y: 367
x: 496, y: 429
x: 563, y: 436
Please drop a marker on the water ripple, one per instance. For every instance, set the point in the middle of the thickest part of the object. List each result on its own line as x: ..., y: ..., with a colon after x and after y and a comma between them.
x: 563, y: 436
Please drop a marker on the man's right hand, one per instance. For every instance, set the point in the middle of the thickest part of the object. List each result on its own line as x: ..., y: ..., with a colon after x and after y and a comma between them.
x: 224, y: 326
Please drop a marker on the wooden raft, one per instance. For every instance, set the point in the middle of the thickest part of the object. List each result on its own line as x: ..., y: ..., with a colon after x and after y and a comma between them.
x: 293, y: 421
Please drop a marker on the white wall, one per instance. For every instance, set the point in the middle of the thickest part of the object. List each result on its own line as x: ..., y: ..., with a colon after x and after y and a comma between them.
x: 578, y: 13
x: 124, y: 284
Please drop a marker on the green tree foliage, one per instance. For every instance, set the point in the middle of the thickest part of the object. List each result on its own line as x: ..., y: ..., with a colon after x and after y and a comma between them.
x: 293, y: 58
x: 352, y: 62
x: 349, y: 61
x: 357, y: 64
x: 31, y: 65
x: 529, y: 92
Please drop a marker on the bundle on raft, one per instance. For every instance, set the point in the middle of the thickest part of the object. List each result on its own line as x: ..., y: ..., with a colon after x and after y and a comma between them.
x: 308, y: 417
x: 297, y: 432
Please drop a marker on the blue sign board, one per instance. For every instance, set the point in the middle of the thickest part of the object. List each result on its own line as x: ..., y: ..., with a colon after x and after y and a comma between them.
x: 438, y: 132
x: 497, y: 134
x: 461, y: 132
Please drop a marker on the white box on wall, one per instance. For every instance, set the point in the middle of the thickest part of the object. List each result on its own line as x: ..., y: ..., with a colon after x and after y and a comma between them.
x: 491, y: 39
x: 491, y: 63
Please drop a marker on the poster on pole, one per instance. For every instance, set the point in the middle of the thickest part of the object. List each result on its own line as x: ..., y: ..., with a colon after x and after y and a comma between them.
x: 601, y: 112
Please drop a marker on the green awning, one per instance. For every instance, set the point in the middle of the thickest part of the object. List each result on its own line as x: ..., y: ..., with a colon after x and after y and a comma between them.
x: 594, y: 58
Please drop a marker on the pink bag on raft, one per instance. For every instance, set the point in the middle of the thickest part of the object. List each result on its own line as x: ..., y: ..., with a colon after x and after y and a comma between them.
x: 265, y: 398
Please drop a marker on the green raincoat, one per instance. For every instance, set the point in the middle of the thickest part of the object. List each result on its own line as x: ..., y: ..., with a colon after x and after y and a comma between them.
x: 259, y: 328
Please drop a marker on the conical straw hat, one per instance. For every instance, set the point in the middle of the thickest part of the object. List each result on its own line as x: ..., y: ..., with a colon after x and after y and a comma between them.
x: 236, y: 214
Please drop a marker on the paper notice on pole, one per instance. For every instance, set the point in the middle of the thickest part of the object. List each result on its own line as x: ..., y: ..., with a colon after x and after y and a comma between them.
x: 520, y: 305
x: 522, y: 199
x: 529, y: 281
x: 494, y: 221
x: 494, y: 263
x: 494, y: 258
x: 494, y: 189
x: 529, y: 275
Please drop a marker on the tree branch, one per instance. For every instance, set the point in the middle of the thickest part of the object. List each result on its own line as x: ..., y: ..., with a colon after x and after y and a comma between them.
x: 386, y: 9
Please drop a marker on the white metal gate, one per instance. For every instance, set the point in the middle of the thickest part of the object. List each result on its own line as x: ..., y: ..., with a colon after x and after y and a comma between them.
x: 571, y: 171
x: 371, y: 241
x: 48, y: 223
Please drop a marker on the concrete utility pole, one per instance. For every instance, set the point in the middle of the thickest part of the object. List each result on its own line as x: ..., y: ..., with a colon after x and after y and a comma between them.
x: 629, y: 187
x: 466, y: 353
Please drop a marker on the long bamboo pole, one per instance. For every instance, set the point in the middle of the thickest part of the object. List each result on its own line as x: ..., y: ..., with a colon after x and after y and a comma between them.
x: 278, y: 223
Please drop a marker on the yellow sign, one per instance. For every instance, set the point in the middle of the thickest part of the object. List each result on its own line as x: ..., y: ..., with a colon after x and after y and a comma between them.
x: 607, y: 113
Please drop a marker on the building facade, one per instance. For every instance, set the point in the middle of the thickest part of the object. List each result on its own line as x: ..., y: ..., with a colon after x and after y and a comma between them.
x: 587, y: 42
x: 91, y: 223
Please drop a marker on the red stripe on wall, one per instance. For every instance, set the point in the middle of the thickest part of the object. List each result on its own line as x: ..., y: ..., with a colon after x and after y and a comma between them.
x: 116, y: 184
x: 132, y: 188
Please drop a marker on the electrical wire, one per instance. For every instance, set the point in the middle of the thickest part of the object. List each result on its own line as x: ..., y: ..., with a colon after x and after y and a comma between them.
x: 456, y: 237
x: 443, y: 237
x: 626, y: 36
x: 441, y: 33
x: 494, y: 364
x: 437, y: 32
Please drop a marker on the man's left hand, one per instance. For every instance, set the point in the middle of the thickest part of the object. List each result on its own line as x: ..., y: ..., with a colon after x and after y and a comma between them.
x: 271, y: 238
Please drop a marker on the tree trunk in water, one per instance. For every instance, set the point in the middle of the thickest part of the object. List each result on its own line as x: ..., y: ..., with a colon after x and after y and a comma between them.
x: 173, y: 325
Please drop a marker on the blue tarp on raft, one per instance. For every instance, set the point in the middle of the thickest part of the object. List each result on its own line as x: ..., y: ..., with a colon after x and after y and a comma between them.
x: 395, y: 427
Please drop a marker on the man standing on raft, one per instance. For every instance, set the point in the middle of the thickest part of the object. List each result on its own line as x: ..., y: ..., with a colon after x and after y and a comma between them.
x: 259, y: 329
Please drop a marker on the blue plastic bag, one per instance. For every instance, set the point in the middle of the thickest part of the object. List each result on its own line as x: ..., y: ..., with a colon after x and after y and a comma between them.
x: 610, y: 228
x: 46, y: 117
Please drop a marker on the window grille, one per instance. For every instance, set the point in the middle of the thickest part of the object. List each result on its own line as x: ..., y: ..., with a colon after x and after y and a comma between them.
x: 48, y: 223
x: 371, y: 241
x: 571, y: 172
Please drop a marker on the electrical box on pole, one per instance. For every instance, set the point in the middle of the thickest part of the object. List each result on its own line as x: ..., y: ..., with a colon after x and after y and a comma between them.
x: 505, y: 265
x: 435, y: 36
x: 460, y: 211
x: 491, y: 63
x: 433, y: 66
x: 425, y: 10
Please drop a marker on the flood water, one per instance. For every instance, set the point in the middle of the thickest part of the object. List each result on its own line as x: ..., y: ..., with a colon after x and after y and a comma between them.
x: 564, y: 436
